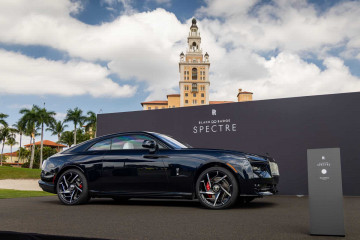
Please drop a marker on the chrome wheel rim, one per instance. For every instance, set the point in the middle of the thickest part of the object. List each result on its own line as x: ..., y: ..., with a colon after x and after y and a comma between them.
x: 215, y: 188
x: 70, y: 187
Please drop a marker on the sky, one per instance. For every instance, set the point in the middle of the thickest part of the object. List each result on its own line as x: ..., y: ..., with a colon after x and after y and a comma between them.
x: 111, y: 55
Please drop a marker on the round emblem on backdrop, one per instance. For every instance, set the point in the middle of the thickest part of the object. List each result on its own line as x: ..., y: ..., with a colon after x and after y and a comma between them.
x: 324, y: 171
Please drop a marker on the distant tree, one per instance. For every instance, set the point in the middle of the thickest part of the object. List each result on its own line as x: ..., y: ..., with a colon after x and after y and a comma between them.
x: 67, y: 138
x: 19, y: 128
x: 31, y: 119
x: 46, y: 118
x: 76, y: 117
x: 57, y: 128
x: 2, y: 119
x: 5, y: 133
x: 11, y: 142
x: 91, y: 123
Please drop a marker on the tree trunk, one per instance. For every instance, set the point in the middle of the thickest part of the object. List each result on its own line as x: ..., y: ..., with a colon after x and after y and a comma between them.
x: 2, y: 152
x: 32, y: 154
x: 75, y: 136
x: 11, y: 153
x: 19, y: 155
x: 42, y: 144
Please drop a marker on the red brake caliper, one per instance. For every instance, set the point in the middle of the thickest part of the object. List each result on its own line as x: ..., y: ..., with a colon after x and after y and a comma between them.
x: 208, y: 188
x: 80, y: 186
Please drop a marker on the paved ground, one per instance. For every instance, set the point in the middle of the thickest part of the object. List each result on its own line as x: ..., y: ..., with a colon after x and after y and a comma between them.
x: 20, y: 184
x: 276, y: 217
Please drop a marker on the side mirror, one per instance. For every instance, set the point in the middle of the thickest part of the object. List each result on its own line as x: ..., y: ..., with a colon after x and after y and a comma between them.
x: 150, y: 144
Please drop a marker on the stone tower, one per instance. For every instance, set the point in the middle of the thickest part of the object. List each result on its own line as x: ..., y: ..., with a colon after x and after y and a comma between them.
x: 194, y: 71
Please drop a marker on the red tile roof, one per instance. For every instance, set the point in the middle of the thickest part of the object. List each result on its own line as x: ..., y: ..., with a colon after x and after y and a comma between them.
x: 14, y: 154
x: 46, y: 143
x: 173, y: 95
x: 155, y: 102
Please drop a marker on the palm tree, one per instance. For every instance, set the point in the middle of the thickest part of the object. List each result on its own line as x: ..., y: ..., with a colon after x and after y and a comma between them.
x: 57, y: 128
x: 45, y: 118
x: 67, y: 138
x: 19, y: 128
x: 5, y: 133
x: 30, y: 119
x: 2, y: 121
x: 11, y: 142
x: 91, y: 123
x: 76, y: 117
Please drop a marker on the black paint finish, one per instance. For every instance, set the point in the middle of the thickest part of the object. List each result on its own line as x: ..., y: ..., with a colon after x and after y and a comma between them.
x: 325, y: 192
x: 285, y: 128
x: 165, y: 171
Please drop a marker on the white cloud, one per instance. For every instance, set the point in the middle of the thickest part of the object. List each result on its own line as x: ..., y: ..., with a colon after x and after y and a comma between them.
x: 144, y: 47
x: 20, y: 106
x: 290, y: 25
x: 287, y: 75
x: 24, y: 75
x: 60, y: 116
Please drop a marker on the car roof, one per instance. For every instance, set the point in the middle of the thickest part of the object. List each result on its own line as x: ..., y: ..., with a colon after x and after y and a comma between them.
x: 84, y: 145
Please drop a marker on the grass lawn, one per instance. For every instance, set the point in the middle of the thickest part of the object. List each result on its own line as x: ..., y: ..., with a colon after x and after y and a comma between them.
x: 19, y: 173
x: 9, y: 193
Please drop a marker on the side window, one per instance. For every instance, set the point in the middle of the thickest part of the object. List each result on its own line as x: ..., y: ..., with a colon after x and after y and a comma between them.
x: 126, y: 142
x: 103, y: 145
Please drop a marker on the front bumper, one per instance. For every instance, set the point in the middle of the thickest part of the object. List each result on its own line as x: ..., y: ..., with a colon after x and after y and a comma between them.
x: 47, y: 187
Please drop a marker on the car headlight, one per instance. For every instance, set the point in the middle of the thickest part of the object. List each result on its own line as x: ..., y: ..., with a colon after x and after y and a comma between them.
x: 274, y: 169
x: 43, y: 165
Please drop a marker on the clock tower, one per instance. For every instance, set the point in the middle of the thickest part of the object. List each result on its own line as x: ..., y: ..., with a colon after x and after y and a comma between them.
x: 194, y: 71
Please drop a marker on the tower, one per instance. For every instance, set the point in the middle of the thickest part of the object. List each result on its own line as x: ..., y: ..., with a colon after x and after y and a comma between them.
x: 194, y: 71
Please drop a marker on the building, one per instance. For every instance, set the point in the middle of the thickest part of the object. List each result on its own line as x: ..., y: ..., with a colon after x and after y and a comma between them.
x: 47, y: 143
x: 194, y: 81
x: 12, y: 157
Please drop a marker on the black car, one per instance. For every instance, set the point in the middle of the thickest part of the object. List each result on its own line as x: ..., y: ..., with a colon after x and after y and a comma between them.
x: 153, y: 165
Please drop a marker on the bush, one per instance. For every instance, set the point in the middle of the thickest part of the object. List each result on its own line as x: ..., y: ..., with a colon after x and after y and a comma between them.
x: 47, y: 152
x: 27, y: 165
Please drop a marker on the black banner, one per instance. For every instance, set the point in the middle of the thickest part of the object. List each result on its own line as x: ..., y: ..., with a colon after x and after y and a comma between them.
x: 284, y: 128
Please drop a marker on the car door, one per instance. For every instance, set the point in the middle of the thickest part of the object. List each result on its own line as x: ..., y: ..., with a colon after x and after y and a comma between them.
x: 129, y: 168
x: 92, y: 160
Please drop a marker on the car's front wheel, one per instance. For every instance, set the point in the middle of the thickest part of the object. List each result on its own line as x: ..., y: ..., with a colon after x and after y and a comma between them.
x: 217, y: 188
x: 72, y: 187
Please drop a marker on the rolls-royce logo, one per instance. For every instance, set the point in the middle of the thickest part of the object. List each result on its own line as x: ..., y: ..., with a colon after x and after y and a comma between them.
x: 213, y: 112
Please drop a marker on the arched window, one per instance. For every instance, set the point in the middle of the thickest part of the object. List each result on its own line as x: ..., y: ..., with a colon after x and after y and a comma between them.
x: 194, y: 74
x: 194, y: 46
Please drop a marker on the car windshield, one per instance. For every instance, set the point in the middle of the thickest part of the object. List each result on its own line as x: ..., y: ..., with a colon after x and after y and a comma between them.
x: 172, y: 142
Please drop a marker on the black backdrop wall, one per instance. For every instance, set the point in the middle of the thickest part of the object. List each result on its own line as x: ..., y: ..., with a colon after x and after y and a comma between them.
x: 284, y: 128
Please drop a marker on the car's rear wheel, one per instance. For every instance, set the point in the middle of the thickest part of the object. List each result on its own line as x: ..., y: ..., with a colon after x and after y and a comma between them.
x: 217, y: 188
x: 72, y: 187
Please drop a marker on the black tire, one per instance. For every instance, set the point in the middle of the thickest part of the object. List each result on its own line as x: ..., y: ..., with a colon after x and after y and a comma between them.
x: 228, y: 186
x: 72, y: 190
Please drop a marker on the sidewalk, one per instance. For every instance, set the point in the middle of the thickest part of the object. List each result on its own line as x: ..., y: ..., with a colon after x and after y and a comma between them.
x: 20, y: 184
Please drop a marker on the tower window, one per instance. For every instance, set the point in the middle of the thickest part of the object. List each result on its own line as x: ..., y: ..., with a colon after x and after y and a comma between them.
x: 149, y: 108
x: 194, y: 94
x: 194, y: 101
x: 202, y: 95
x: 194, y: 46
x: 186, y: 101
x: 194, y: 87
x: 194, y: 74
x: 202, y: 102
x: 186, y: 94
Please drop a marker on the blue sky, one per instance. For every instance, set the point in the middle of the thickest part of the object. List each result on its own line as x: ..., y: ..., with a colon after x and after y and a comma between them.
x: 102, y: 55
